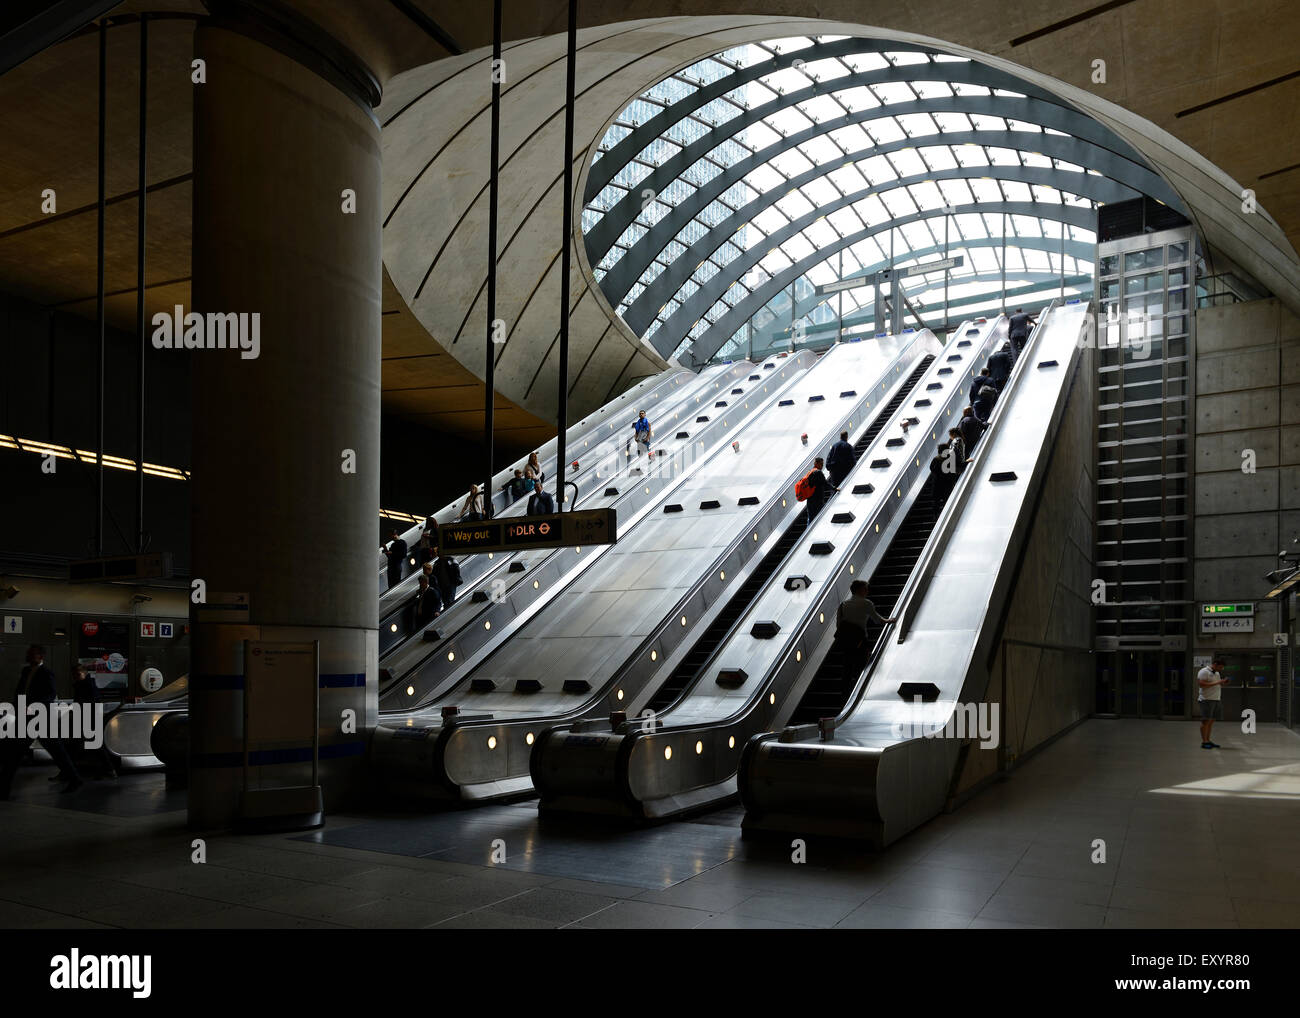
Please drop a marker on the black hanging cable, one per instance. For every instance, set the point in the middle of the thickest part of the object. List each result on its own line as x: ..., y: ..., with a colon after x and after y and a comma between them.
x: 562, y: 411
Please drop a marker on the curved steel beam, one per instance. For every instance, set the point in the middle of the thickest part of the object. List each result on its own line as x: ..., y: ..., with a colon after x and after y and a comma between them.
x: 683, y: 319
x: 643, y: 310
x: 732, y: 320
x: 1078, y: 148
x: 601, y: 237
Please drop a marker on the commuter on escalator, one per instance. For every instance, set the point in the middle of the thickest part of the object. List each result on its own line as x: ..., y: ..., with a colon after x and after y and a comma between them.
x: 978, y: 382
x: 446, y: 573
x: 851, y: 633
x: 840, y: 460
x: 472, y: 509
x: 1000, y: 364
x: 971, y: 429
x: 814, y: 489
x: 517, y: 487
x: 424, y: 549
x: 533, y: 470
x: 985, y: 400
x: 427, y: 603
x: 541, y: 502
x: 35, y: 685
x: 941, y: 479
x: 956, y: 452
x: 396, y: 553
x: 1019, y: 329
x: 642, y: 433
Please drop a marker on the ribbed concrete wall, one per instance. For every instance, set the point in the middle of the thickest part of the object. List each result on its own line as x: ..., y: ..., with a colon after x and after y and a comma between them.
x: 1049, y: 690
x: 1247, y: 399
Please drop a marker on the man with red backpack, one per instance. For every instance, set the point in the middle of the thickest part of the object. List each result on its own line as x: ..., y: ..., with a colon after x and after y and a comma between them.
x: 814, y: 489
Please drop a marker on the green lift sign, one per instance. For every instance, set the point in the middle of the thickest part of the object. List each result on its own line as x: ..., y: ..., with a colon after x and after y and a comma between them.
x: 515, y: 533
x: 1228, y: 609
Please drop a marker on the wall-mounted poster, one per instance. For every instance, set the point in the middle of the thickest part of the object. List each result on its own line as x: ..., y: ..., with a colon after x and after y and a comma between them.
x: 103, y: 650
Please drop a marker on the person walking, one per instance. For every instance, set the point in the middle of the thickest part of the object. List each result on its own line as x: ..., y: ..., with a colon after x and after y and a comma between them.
x: 840, y: 460
x: 1018, y: 329
x: 814, y: 489
x: 642, y: 433
x: 36, y: 685
x: 1210, y: 700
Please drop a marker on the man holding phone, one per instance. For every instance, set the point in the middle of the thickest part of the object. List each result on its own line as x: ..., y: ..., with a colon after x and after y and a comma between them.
x: 1211, y: 680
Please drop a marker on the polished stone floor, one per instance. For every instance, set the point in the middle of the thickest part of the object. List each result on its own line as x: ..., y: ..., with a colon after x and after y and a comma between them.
x: 1193, y: 838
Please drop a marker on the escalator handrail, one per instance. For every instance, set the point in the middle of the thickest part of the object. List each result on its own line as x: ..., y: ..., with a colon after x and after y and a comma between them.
x: 907, y: 604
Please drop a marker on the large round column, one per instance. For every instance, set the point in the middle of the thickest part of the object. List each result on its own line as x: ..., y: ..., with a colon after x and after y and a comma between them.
x: 277, y: 514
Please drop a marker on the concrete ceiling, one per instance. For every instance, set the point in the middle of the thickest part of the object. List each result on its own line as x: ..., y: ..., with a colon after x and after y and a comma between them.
x: 1221, y: 77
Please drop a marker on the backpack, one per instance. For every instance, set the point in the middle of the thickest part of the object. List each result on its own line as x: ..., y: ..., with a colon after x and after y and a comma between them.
x: 803, y: 487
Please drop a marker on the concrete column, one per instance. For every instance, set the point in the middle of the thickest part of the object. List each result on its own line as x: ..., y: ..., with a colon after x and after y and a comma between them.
x: 274, y: 515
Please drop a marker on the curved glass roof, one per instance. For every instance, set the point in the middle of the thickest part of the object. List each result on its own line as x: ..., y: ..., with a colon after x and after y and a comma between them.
x: 722, y: 197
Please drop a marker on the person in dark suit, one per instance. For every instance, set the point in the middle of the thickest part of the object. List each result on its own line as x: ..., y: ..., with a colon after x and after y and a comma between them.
x: 840, y: 460
x: 978, y: 382
x: 1000, y: 363
x: 985, y: 400
x: 446, y: 573
x: 540, y: 502
x: 971, y: 429
x: 1018, y: 330
x: 428, y: 603
x: 396, y: 553
x: 36, y: 685
x: 85, y: 695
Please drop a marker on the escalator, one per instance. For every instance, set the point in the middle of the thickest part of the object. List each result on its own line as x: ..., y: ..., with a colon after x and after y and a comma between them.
x: 828, y: 692
x: 688, y: 669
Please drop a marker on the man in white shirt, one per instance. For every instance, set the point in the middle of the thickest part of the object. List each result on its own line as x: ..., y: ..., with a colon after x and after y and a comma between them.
x: 1211, y: 680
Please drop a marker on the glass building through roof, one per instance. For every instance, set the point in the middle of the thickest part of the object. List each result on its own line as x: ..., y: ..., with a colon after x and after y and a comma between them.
x: 724, y: 197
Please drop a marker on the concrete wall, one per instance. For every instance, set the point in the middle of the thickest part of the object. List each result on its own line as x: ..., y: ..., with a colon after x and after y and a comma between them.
x: 1247, y: 399
x: 1049, y: 690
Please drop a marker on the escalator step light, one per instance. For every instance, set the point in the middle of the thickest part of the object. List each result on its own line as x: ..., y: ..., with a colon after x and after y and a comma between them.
x: 482, y: 686
x: 848, y: 392
x: 479, y: 596
x: 721, y: 402
x: 748, y: 500
x: 842, y: 518
x: 945, y: 371
x: 765, y: 630
x: 528, y: 686
x: 933, y: 385
x: 927, y: 691
x: 1048, y: 364
x: 963, y: 342
x: 611, y: 492
x: 786, y: 402
x: 577, y: 686
x: 737, y: 392
x: 701, y: 420
x: 821, y: 548
x: 894, y: 443
x: 518, y: 567
x: 922, y: 402
x: 755, y: 378
x: 1003, y: 475
x: 954, y: 357
x: 815, y: 399
x: 683, y: 434
x: 710, y: 503
x: 797, y: 583
x: 732, y: 678
x: 672, y: 507
x: 431, y: 636
x: 863, y: 489
x: 879, y: 464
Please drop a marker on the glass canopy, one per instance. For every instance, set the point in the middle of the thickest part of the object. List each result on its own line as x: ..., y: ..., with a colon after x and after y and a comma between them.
x: 723, y: 197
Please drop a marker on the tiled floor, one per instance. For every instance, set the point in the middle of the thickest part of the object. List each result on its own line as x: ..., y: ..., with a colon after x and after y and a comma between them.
x: 1193, y: 838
